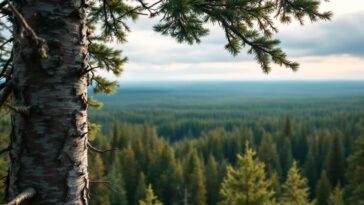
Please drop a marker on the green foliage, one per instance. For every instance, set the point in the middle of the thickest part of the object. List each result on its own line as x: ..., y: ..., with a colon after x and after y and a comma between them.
x: 99, y: 190
x: 323, y: 189
x: 195, y: 180
x: 268, y: 154
x: 150, y: 198
x: 336, y: 197
x: 212, y: 181
x: 106, y: 58
x: 94, y: 103
x: 295, y: 189
x: 129, y: 165
x: 287, y: 132
x: 335, y: 161
x: 117, y: 180
x: 104, y: 85
x: 140, y: 192
x: 181, y: 21
x: 93, y: 130
x: 246, y: 184
x: 355, y: 189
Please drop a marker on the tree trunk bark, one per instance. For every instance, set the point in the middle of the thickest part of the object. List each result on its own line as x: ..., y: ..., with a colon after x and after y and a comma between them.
x: 49, y: 141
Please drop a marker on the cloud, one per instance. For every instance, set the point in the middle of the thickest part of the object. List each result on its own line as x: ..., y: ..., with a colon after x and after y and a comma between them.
x: 342, y: 35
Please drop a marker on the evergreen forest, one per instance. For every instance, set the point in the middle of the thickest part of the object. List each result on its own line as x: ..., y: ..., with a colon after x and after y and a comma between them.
x: 225, y: 143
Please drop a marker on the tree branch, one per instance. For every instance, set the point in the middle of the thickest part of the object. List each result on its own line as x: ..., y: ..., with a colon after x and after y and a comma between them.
x: 23, y: 110
x: 26, y: 194
x: 6, y: 42
x: 39, y: 42
x: 6, y: 65
x: 108, y: 183
x: 92, y: 148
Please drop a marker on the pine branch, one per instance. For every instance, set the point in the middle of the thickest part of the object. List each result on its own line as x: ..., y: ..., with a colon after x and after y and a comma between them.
x: 92, y: 148
x: 39, y: 42
x: 26, y: 194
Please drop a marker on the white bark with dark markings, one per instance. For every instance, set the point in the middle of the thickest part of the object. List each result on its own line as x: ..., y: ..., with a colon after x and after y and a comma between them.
x: 48, y: 149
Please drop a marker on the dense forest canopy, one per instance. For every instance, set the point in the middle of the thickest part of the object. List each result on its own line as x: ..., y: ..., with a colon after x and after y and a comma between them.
x: 196, y: 150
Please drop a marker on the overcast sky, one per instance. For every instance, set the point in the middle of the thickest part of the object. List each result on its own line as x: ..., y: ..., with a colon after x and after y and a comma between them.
x: 326, y: 51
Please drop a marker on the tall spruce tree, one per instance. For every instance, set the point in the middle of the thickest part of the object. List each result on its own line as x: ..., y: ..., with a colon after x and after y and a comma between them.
x: 141, y: 188
x: 354, y: 191
x: 295, y: 189
x: 335, y: 161
x: 52, y: 50
x: 195, y: 180
x: 212, y: 181
x: 116, y: 178
x: 247, y: 183
x: 323, y: 189
x: 99, y: 190
x: 150, y: 198
x: 336, y: 197
x: 268, y: 154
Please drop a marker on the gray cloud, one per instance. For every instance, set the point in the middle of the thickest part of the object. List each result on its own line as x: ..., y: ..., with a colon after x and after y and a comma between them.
x: 343, y: 35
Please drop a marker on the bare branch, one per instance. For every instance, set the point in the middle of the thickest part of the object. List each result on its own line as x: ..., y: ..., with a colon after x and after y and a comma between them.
x: 6, y: 65
x: 92, y: 148
x: 108, y: 183
x: 26, y: 194
x: 99, y: 182
x: 39, y: 42
x: 23, y: 110
x: 6, y: 42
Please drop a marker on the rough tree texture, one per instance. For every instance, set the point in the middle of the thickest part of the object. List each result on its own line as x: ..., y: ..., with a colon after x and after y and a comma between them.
x: 49, y: 143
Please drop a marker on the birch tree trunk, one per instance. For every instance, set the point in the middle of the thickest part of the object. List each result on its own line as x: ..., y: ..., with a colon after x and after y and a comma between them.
x: 49, y: 141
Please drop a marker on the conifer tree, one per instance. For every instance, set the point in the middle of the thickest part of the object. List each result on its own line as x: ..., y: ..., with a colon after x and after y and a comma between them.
x: 336, y: 197
x: 287, y: 132
x: 286, y: 157
x: 295, y: 189
x: 150, y: 198
x: 212, y: 181
x: 312, y: 165
x: 99, y: 189
x: 129, y: 172
x: 168, y: 178
x: 117, y: 180
x: 140, y: 192
x: 195, y: 180
x: 323, y: 189
x: 53, y: 50
x: 268, y: 154
x: 335, y: 161
x: 247, y: 183
x: 354, y: 191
